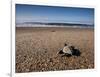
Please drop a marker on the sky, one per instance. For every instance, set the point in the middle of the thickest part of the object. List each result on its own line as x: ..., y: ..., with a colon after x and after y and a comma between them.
x: 53, y: 14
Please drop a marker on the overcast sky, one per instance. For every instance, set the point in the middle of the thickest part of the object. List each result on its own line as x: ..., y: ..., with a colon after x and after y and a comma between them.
x: 37, y: 13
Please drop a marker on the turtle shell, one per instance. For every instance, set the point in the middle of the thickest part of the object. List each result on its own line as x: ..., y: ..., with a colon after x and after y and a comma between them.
x: 67, y: 50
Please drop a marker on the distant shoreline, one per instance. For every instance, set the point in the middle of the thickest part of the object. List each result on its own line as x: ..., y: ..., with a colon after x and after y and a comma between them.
x: 54, y: 26
x: 46, y: 24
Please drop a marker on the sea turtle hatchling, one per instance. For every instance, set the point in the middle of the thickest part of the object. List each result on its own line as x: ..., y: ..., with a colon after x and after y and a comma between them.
x: 69, y: 51
x: 66, y: 50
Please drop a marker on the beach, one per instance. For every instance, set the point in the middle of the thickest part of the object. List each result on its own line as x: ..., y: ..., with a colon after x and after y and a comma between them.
x: 37, y: 48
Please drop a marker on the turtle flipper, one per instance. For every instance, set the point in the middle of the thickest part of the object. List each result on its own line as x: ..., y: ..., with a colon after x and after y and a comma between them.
x: 61, y: 52
x: 68, y: 55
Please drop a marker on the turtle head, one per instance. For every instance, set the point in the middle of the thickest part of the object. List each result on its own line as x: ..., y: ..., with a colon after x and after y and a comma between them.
x: 72, y: 47
x: 65, y: 44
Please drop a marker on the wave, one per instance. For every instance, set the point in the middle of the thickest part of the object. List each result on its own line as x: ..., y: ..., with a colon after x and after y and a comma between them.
x: 54, y: 26
x: 35, y: 24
